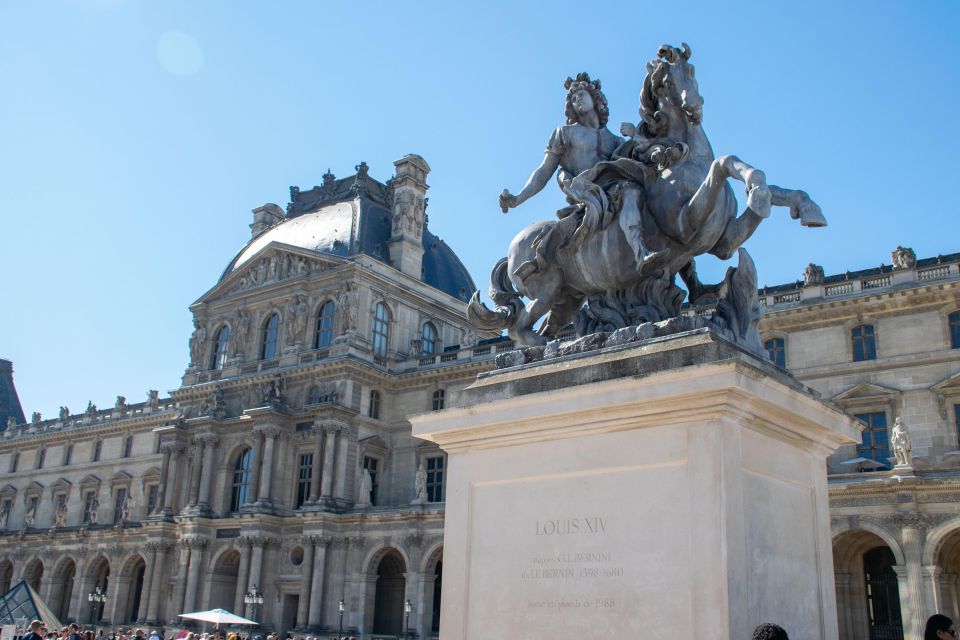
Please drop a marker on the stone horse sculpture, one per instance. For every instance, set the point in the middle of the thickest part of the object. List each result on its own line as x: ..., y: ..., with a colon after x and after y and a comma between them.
x: 687, y: 208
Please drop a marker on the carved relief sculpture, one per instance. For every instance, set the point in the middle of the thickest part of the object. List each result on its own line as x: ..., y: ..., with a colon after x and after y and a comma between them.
x: 640, y: 211
x: 297, y: 311
x: 197, y: 340
x: 241, y: 330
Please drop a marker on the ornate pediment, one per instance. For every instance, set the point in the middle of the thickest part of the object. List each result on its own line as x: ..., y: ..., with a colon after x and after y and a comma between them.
x: 947, y: 392
x: 121, y: 477
x: 8, y: 491
x: 276, y: 262
x: 33, y: 489
x: 61, y: 486
x: 865, y: 394
x: 153, y: 473
x: 89, y: 480
x: 374, y: 445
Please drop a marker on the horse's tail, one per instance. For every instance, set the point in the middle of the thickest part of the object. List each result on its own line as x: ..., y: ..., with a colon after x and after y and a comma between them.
x: 508, y: 302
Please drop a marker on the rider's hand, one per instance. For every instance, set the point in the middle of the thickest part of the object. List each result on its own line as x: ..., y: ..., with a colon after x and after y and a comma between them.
x: 507, y: 201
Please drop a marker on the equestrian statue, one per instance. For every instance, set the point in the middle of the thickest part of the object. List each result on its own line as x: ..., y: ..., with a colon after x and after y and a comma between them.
x: 641, y: 209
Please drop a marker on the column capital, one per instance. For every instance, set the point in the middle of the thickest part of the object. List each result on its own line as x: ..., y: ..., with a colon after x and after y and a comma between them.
x: 194, y: 542
x: 268, y: 430
x: 333, y: 428
x: 933, y: 570
x: 321, y: 541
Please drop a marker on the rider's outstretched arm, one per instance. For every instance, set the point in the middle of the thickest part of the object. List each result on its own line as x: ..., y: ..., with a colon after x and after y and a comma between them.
x: 537, y: 180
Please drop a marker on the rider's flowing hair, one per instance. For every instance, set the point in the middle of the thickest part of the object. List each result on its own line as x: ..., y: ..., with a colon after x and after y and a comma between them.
x: 593, y: 88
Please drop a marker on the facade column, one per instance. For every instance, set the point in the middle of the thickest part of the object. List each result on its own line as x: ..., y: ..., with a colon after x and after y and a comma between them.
x: 266, y: 472
x: 206, y: 477
x: 934, y: 596
x: 330, y: 436
x: 193, y: 573
x: 254, y: 494
x: 306, y: 581
x: 117, y: 587
x: 79, y: 596
x: 170, y: 491
x: 256, y: 564
x: 243, y: 574
x: 315, y: 614
x: 912, y: 607
x: 193, y: 495
x: 156, y: 584
x: 844, y: 621
x: 147, y: 589
x: 164, y: 476
x: 413, y: 582
x: 317, y: 465
x: 180, y: 589
x: 340, y: 472
x: 354, y: 585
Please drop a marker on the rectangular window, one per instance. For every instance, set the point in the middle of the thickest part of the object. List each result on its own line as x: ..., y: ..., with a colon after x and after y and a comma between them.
x: 954, y: 320
x: 89, y: 500
x: 776, y: 348
x: 303, y: 478
x: 371, y: 464
x: 68, y: 455
x: 152, y: 497
x: 438, y: 400
x: 864, y: 343
x: 5, y: 507
x: 41, y: 458
x: 434, y: 469
x: 127, y: 446
x: 14, y: 461
x: 97, y: 450
x: 876, y: 444
x: 118, y: 504
x: 374, y: 409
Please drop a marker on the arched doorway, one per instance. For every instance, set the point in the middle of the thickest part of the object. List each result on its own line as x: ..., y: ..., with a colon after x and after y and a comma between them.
x: 132, y: 595
x: 868, y: 592
x: 224, y: 581
x: 98, y: 575
x: 437, y: 577
x: 6, y: 576
x: 61, y: 590
x: 388, y: 595
x: 947, y: 559
x: 33, y: 574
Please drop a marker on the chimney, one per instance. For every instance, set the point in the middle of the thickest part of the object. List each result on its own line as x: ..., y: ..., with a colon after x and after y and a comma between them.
x: 265, y: 217
x: 409, y: 193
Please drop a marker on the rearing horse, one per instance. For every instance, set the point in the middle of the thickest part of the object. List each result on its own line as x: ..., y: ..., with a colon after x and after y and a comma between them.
x: 688, y: 209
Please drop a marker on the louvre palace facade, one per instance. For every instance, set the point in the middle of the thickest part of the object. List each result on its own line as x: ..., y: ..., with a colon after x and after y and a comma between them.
x: 284, y: 464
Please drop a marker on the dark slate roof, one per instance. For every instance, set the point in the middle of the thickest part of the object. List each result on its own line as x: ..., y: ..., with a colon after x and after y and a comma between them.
x: 9, y: 400
x: 322, y: 219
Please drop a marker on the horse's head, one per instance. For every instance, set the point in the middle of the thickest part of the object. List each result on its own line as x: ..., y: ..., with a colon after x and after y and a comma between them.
x: 670, y: 88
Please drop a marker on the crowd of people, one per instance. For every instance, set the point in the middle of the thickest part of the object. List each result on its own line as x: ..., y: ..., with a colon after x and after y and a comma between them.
x: 939, y: 627
x: 39, y: 631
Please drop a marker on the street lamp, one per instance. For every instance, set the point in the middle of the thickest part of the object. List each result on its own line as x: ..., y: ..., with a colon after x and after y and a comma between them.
x: 342, y: 607
x: 407, y: 607
x: 253, y: 599
x: 96, y: 598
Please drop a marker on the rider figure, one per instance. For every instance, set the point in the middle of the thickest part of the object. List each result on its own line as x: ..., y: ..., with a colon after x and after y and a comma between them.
x: 577, y: 148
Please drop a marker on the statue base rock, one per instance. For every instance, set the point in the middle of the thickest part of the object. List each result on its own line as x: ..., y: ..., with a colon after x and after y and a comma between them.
x: 657, y: 489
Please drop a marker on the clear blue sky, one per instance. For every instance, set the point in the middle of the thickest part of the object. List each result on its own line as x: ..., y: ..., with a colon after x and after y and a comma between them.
x: 137, y: 136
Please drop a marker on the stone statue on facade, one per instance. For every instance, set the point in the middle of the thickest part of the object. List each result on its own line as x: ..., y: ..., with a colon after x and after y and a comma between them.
x: 125, y: 509
x: 215, y: 406
x: 197, y: 340
x: 64, y: 413
x: 36, y: 417
x: 4, y: 515
x: 30, y: 518
x: 812, y: 275
x: 348, y: 309
x: 902, y: 444
x: 91, y: 516
x: 297, y: 312
x: 91, y: 411
x: 903, y: 258
x: 60, y: 515
x: 241, y: 329
x: 271, y: 392
x: 420, y: 485
x: 671, y: 201
x: 153, y: 398
x: 11, y: 422
x: 366, y: 487
x: 120, y: 405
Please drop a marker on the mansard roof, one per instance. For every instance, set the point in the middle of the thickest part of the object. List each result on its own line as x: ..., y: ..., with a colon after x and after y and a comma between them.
x: 352, y: 216
x: 9, y: 400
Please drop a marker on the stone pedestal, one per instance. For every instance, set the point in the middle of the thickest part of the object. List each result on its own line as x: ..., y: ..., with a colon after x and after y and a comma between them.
x: 673, y: 488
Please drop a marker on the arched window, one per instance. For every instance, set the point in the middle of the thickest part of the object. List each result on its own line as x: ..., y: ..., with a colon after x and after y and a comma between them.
x: 954, y: 321
x: 864, y: 341
x: 220, y: 343
x: 325, y: 325
x: 381, y: 329
x: 268, y: 350
x: 240, y: 484
x: 776, y: 348
x: 313, y: 396
x: 374, y: 409
x: 429, y: 336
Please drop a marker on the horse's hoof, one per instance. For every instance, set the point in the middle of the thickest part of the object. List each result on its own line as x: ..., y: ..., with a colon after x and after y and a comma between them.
x: 812, y: 217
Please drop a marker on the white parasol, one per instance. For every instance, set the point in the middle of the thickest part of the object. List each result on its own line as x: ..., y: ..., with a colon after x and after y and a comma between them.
x: 218, y: 617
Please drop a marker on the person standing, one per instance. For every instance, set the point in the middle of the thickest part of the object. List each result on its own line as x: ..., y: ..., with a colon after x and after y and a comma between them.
x: 939, y: 627
x: 34, y: 633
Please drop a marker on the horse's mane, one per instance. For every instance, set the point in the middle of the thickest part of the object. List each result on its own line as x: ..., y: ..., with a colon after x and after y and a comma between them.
x: 653, y: 121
